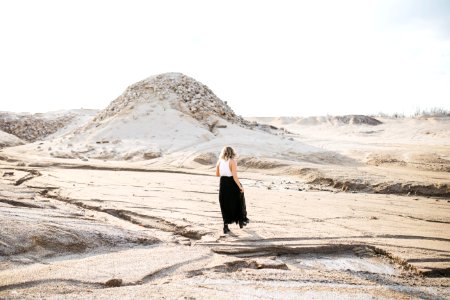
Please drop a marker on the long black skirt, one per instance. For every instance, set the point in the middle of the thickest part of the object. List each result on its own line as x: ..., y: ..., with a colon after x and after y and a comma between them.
x: 231, y: 204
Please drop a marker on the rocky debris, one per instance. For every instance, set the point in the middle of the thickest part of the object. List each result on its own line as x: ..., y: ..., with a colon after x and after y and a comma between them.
x: 152, y: 154
x: 363, y: 251
x: 354, y: 119
x: 32, y: 127
x: 233, y: 266
x: 114, y: 282
x: 61, y: 154
x: 412, y: 188
x: 260, y: 163
x: 333, y: 120
x: 377, y: 159
x: 181, y: 92
x: 268, y: 128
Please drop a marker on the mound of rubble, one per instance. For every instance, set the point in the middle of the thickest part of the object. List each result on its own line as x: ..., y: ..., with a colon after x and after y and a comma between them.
x: 354, y: 119
x: 153, y: 117
x: 170, y: 119
x: 181, y: 92
x: 333, y: 120
x: 32, y: 127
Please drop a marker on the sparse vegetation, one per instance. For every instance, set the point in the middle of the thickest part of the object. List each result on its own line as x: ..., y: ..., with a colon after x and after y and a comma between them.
x: 433, y: 112
x: 391, y: 116
x: 419, y: 113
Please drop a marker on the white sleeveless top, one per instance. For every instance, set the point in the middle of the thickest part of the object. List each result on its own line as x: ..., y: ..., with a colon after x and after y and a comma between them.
x: 224, y: 168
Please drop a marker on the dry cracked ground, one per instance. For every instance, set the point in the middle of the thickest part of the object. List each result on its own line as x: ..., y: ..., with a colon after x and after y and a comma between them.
x: 111, y: 233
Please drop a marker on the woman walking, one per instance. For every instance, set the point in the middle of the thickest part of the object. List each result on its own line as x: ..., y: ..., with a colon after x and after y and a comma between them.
x: 231, y: 204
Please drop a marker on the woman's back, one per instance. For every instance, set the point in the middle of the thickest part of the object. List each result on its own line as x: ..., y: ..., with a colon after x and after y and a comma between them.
x: 224, y: 168
x: 231, y: 198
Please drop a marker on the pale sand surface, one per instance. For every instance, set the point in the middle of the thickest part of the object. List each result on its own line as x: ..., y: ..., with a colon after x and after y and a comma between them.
x: 339, y: 208
x: 160, y: 233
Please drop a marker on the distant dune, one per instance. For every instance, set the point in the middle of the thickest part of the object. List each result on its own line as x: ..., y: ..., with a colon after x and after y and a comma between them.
x: 333, y: 120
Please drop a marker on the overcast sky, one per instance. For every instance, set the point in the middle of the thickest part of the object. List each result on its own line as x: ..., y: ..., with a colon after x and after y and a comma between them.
x: 266, y: 58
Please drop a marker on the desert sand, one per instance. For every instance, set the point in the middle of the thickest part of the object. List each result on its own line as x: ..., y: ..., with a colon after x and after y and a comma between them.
x: 123, y: 203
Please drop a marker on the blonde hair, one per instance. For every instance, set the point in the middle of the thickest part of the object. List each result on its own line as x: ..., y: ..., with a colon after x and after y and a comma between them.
x: 227, y: 153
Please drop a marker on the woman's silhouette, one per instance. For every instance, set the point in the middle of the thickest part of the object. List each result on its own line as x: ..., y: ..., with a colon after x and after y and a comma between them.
x: 231, y: 191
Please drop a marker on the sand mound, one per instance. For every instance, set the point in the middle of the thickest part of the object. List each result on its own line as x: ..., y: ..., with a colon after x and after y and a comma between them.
x: 161, y: 114
x: 354, y: 119
x: 34, y: 127
x: 339, y: 120
x: 181, y: 92
x: 168, y: 114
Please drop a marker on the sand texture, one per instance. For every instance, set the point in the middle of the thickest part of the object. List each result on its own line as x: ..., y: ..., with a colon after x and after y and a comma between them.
x: 123, y: 204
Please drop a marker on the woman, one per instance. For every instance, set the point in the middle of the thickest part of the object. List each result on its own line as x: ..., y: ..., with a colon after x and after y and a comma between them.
x: 230, y: 190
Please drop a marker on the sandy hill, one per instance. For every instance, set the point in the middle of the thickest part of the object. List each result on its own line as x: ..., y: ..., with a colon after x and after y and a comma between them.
x: 170, y: 118
x: 176, y: 91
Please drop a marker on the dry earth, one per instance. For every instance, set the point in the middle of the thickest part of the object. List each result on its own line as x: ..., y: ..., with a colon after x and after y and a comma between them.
x: 68, y: 231
x: 124, y: 204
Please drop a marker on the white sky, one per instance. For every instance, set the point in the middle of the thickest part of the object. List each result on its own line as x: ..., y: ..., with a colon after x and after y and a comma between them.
x: 266, y: 58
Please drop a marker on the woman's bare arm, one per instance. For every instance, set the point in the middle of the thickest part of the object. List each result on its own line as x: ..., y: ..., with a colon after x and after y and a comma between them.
x: 233, y: 167
x: 217, y: 169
